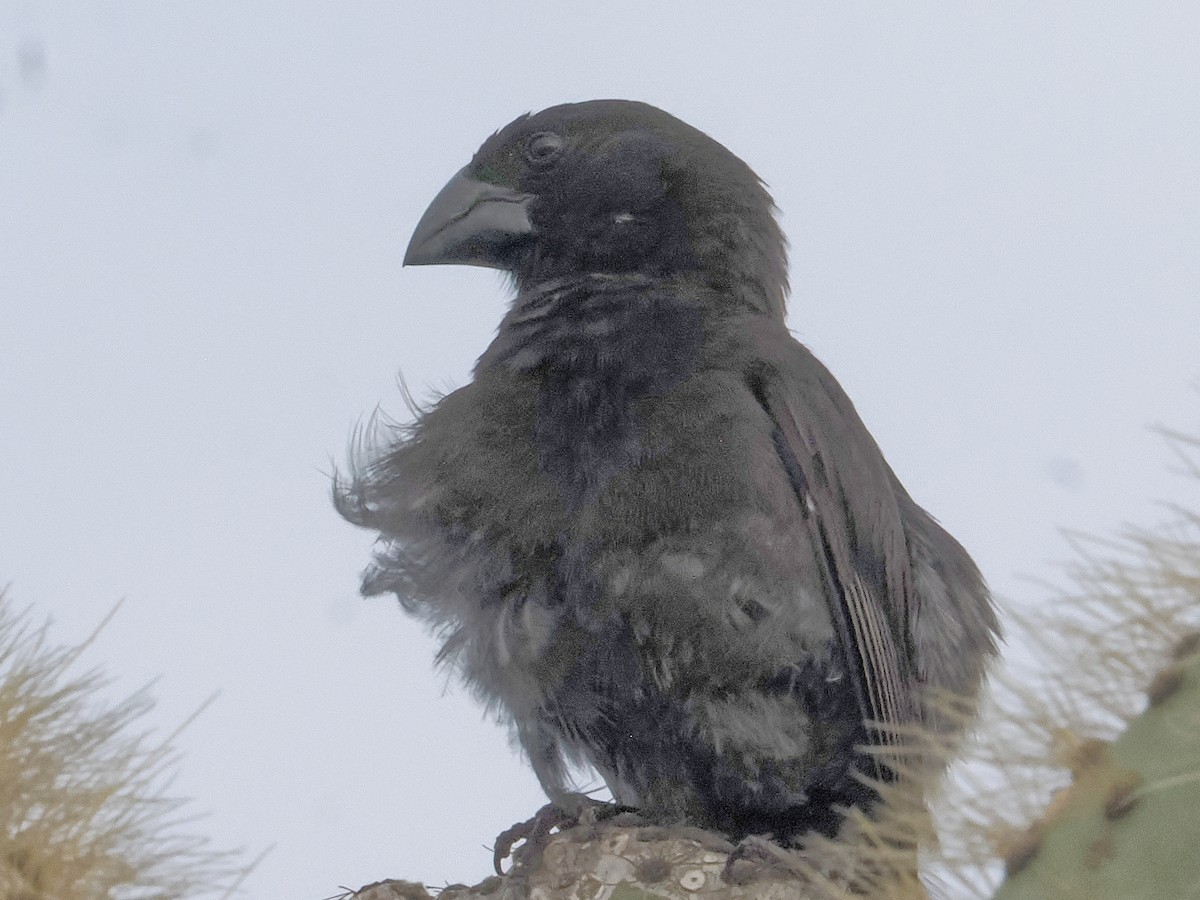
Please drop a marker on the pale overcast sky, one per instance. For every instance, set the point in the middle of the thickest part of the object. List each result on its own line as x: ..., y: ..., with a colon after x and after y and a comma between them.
x: 994, y: 212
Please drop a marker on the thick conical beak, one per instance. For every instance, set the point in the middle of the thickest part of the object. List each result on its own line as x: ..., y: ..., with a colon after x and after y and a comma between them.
x: 469, y: 222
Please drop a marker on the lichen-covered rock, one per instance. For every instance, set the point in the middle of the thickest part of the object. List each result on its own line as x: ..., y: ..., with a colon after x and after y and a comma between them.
x: 617, y: 862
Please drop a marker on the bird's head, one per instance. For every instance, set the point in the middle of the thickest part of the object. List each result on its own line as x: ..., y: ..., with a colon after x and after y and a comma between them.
x: 609, y: 187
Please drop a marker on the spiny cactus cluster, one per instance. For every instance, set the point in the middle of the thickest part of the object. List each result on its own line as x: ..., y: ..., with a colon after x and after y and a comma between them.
x: 1086, y: 768
x: 82, y: 810
x: 1127, y: 826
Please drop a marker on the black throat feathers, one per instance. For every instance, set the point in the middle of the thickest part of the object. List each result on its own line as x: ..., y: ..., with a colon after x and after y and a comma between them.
x: 595, y: 347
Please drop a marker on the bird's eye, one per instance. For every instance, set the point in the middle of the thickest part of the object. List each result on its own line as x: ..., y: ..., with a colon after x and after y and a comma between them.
x: 543, y: 147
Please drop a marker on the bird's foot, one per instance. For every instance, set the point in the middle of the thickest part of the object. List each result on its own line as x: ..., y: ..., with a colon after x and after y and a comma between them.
x: 532, y: 831
x: 760, y: 849
x: 568, y: 811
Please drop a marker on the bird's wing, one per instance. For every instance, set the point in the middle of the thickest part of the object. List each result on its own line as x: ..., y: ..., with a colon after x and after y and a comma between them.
x: 847, y: 500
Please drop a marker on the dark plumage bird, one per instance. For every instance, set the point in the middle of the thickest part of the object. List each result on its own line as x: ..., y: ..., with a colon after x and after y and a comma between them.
x: 653, y: 531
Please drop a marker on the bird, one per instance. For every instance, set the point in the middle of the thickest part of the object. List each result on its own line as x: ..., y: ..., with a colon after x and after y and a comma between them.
x: 652, y: 533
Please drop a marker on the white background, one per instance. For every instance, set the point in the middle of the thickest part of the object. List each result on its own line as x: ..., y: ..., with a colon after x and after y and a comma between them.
x: 994, y: 212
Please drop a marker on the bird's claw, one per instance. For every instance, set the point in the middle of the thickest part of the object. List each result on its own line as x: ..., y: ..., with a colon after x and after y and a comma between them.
x: 757, y: 848
x: 532, y: 831
x: 570, y: 812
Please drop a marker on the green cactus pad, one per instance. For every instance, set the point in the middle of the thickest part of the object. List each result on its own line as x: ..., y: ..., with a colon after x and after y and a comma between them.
x: 1129, y: 826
